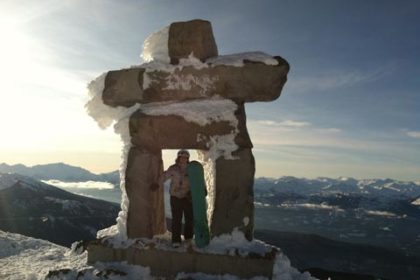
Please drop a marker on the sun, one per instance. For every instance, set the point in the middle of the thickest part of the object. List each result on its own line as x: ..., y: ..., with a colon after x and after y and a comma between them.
x: 14, y: 48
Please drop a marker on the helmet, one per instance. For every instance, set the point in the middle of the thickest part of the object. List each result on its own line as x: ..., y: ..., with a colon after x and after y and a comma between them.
x: 183, y: 153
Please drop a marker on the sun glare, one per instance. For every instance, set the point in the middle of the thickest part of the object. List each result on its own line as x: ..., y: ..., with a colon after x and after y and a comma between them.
x: 14, y: 51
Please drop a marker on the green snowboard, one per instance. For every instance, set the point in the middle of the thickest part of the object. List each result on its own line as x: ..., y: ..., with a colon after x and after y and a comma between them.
x: 198, y: 194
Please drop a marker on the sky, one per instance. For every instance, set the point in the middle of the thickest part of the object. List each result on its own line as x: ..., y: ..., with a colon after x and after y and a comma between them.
x: 350, y: 106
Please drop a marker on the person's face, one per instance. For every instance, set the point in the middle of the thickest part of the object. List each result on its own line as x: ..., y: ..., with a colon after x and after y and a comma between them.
x: 183, y: 159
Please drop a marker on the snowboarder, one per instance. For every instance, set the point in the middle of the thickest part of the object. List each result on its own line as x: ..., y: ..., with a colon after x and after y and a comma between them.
x: 181, y: 203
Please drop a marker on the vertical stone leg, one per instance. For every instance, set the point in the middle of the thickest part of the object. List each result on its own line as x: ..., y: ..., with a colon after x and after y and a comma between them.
x: 146, y: 211
x: 234, y: 201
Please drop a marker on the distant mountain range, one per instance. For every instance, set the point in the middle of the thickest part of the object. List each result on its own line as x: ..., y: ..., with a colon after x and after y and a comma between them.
x: 380, y: 212
x: 33, y: 208
x: 291, y: 213
x: 60, y: 171
x: 295, y: 187
x: 381, y: 195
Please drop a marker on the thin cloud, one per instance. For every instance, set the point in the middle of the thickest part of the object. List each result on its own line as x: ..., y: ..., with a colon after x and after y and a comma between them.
x: 413, y: 134
x: 338, y: 79
x: 332, y: 129
x: 286, y: 123
x: 80, y: 185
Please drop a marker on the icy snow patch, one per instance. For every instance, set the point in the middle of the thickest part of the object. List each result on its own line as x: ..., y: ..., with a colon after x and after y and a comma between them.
x: 22, y: 257
x: 284, y: 271
x: 103, y: 114
x: 246, y: 221
x: 236, y: 243
x: 155, y: 47
x: 26, y: 258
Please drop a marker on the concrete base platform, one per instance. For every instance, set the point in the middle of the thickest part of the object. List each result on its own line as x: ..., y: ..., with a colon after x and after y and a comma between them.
x: 167, y: 262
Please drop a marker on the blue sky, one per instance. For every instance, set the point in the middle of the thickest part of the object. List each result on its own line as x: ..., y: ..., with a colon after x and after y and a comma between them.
x: 350, y: 106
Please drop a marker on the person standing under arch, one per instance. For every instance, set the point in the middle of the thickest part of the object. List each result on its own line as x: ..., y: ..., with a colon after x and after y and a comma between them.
x: 180, y: 198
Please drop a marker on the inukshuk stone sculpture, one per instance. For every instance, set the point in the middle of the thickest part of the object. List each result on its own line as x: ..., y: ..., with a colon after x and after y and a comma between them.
x: 189, y: 97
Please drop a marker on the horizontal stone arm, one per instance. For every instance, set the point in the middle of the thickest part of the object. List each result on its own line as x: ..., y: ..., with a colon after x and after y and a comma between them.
x: 254, y: 81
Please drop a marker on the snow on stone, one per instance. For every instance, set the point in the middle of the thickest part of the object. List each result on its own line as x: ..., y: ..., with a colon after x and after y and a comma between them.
x: 227, y: 244
x: 116, y: 235
x: 80, y: 185
x: 238, y: 59
x: 199, y: 112
x: 187, y: 82
x: 26, y: 258
x: 155, y: 46
x: 103, y: 114
x: 236, y: 242
x: 204, y: 113
x: 246, y: 221
x: 106, y: 115
x: 176, y: 80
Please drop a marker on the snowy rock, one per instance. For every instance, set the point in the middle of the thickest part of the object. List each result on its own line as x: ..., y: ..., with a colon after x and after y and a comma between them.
x: 123, y: 87
x: 146, y: 212
x: 174, y: 131
x: 195, y: 36
x: 166, y: 262
x: 254, y: 81
x: 234, y: 199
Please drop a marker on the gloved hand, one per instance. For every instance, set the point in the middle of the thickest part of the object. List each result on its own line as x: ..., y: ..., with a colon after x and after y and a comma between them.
x: 154, y: 186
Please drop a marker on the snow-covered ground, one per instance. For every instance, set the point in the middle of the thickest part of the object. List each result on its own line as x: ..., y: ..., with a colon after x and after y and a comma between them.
x: 22, y: 257
x: 26, y: 258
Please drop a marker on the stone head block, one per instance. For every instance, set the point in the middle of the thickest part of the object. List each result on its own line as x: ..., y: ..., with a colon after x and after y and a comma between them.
x: 195, y: 36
